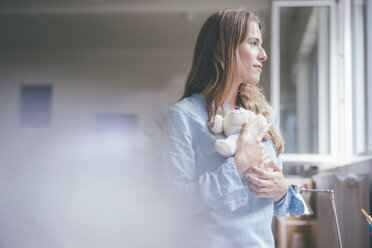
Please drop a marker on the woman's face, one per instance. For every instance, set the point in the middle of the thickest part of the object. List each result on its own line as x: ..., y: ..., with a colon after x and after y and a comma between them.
x: 250, y: 56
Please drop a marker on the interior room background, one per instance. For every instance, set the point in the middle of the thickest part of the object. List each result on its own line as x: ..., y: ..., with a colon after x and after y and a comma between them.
x: 85, y: 85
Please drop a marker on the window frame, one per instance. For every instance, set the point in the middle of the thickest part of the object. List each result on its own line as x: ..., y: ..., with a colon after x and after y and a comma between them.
x: 341, y: 101
x: 368, y: 83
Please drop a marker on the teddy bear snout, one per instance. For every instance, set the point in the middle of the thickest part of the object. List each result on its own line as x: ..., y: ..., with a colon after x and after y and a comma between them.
x: 236, y: 118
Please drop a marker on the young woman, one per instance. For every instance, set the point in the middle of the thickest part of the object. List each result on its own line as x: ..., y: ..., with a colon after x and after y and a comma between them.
x: 216, y: 202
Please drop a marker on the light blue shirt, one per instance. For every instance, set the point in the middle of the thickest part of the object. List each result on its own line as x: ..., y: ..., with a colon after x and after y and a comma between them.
x: 212, y: 204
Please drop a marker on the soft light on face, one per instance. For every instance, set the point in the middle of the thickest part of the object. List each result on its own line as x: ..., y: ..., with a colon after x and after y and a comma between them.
x: 251, y: 55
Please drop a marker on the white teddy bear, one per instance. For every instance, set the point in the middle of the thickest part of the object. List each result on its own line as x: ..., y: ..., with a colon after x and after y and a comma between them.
x: 232, y: 124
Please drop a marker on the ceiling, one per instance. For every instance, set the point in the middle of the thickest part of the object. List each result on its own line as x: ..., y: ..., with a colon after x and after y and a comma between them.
x: 127, y: 25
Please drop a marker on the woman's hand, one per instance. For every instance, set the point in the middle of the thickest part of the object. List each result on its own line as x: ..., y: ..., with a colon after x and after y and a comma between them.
x: 267, y: 184
x: 249, y: 150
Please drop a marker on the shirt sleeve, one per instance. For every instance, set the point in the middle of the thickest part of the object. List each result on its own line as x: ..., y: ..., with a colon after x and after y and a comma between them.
x: 290, y: 203
x: 191, y: 194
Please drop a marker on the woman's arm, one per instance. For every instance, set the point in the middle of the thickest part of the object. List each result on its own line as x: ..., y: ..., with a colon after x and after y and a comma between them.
x: 221, y: 188
x: 266, y: 183
x: 274, y: 185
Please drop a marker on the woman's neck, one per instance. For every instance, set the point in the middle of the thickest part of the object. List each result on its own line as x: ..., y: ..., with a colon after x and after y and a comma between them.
x: 231, y: 104
x: 231, y: 98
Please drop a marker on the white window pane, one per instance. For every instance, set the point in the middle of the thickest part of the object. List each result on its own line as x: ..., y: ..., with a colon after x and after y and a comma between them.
x: 304, y: 79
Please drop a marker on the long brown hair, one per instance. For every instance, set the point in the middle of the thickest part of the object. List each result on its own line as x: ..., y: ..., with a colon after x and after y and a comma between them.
x: 215, y: 64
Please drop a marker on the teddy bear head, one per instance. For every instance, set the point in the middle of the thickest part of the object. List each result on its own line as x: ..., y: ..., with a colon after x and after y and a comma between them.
x: 234, y: 120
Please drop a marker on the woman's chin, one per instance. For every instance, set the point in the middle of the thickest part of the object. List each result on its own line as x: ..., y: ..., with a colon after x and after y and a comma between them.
x: 252, y: 80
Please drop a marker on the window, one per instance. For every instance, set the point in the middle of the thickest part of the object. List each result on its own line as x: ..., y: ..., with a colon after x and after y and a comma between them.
x: 302, y: 65
x: 320, y: 84
x: 304, y: 79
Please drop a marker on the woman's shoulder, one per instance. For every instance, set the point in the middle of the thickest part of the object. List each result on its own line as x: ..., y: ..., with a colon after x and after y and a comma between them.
x: 182, y: 106
x: 186, y: 114
x: 189, y: 106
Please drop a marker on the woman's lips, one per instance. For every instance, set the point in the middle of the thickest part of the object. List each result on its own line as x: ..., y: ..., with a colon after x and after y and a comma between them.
x: 259, y: 67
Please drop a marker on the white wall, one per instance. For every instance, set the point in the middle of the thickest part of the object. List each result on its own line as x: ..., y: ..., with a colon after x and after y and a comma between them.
x: 66, y: 185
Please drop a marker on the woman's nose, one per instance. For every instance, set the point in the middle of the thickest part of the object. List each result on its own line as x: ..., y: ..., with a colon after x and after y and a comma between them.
x: 262, y: 55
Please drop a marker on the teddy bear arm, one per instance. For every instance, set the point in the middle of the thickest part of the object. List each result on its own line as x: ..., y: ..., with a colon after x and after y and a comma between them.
x: 217, y: 127
x: 227, y: 147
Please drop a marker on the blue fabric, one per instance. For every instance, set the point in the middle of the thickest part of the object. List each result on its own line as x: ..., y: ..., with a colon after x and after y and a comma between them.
x: 212, y: 204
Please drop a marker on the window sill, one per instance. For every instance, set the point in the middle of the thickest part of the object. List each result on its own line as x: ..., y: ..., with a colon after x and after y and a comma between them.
x: 315, y: 163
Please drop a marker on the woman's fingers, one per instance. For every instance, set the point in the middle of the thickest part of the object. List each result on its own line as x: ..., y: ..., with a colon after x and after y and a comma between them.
x: 263, y: 132
x: 258, y: 191
x: 261, y: 173
x: 262, y: 155
x: 260, y: 150
x: 267, y: 184
x: 250, y: 150
x: 259, y: 186
x: 254, y: 188
x: 245, y: 128
x: 273, y: 165
x: 253, y: 179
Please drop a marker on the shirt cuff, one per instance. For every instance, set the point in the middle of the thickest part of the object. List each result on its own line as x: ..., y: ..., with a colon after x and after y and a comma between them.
x: 290, y: 203
x: 233, y: 194
x: 239, y: 197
